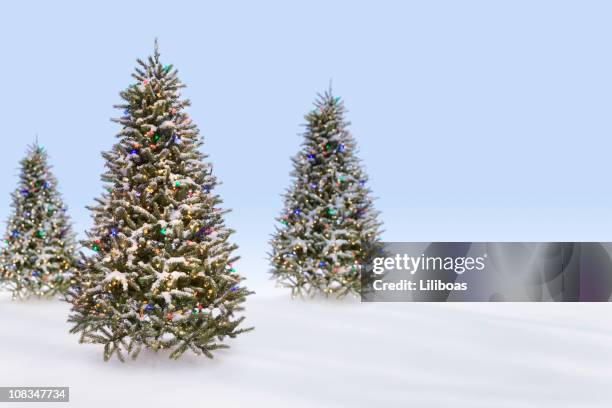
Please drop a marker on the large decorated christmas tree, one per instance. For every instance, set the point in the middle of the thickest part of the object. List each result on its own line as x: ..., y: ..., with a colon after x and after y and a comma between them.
x: 329, y: 229
x: 38, y: 255
x: 162, y: 273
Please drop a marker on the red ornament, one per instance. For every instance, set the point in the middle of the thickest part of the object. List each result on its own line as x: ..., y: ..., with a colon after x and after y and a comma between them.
x: 169, y: 316
x: 145, y: 82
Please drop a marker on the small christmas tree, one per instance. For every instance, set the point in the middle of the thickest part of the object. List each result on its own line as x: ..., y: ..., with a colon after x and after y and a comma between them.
x: 161, y: 275
x: 329, y: 228
x: 39, y: 255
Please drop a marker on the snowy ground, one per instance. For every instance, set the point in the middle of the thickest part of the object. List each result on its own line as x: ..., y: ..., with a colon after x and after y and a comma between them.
x: 336, y: 354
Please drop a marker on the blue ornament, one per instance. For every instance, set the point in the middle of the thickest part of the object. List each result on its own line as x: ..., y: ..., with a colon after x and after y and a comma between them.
x: 313, y: 185
x: 148, y: 308
x: 311, y: 156
x: 297, y: 211
x: 25, y: 192
x: 322, y: 264
x: 113, y: 232
x: 36, y: 274
x: 362, y: 183
x: 15, y: 233
x: 341, y: 148
x: 235, y: 288
x: 133, y: 151
x: 126, y: 112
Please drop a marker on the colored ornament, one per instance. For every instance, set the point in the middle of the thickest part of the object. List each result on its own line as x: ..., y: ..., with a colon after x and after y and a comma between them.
x: 167, y: 68
x: 113, y: 232
x: 177, y: 184
x: 148, y: 308
x: 331, y: 211
x: 163, y: 231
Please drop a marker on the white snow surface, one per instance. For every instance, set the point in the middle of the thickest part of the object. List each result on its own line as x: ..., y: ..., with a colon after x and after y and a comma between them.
x: 320, y: 353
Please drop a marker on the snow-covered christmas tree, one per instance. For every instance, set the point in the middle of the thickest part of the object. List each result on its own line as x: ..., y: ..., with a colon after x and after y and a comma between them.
x: 162, y: 273
x: 38, y: 256
x: 329, y: 228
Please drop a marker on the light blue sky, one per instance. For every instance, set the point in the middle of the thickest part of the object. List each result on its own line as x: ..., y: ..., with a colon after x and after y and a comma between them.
x: 476, y: 120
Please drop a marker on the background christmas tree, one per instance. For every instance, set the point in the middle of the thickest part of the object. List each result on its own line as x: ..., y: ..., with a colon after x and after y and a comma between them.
x: 38, y: 253
x: 329, y: 228
x: 161, y: 275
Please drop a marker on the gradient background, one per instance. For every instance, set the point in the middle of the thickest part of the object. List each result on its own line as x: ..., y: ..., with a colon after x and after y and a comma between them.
x: 476, y: 120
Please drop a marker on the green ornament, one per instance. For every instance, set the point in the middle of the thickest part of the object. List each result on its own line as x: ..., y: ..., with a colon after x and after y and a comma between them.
x: 341, y: 179
x: 167, y: 68
x: 163, y: 231
x: 331, y: 211
x: 177, y: 184
x: 95, y: 248
x: 156, y: 137
x: 39, y: 233
x: 336, y: 99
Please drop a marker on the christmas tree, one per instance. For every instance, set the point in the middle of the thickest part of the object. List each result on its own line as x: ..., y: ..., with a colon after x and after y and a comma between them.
x: 38, y: 256
x: 329, y: 228
x: 161, y: 274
